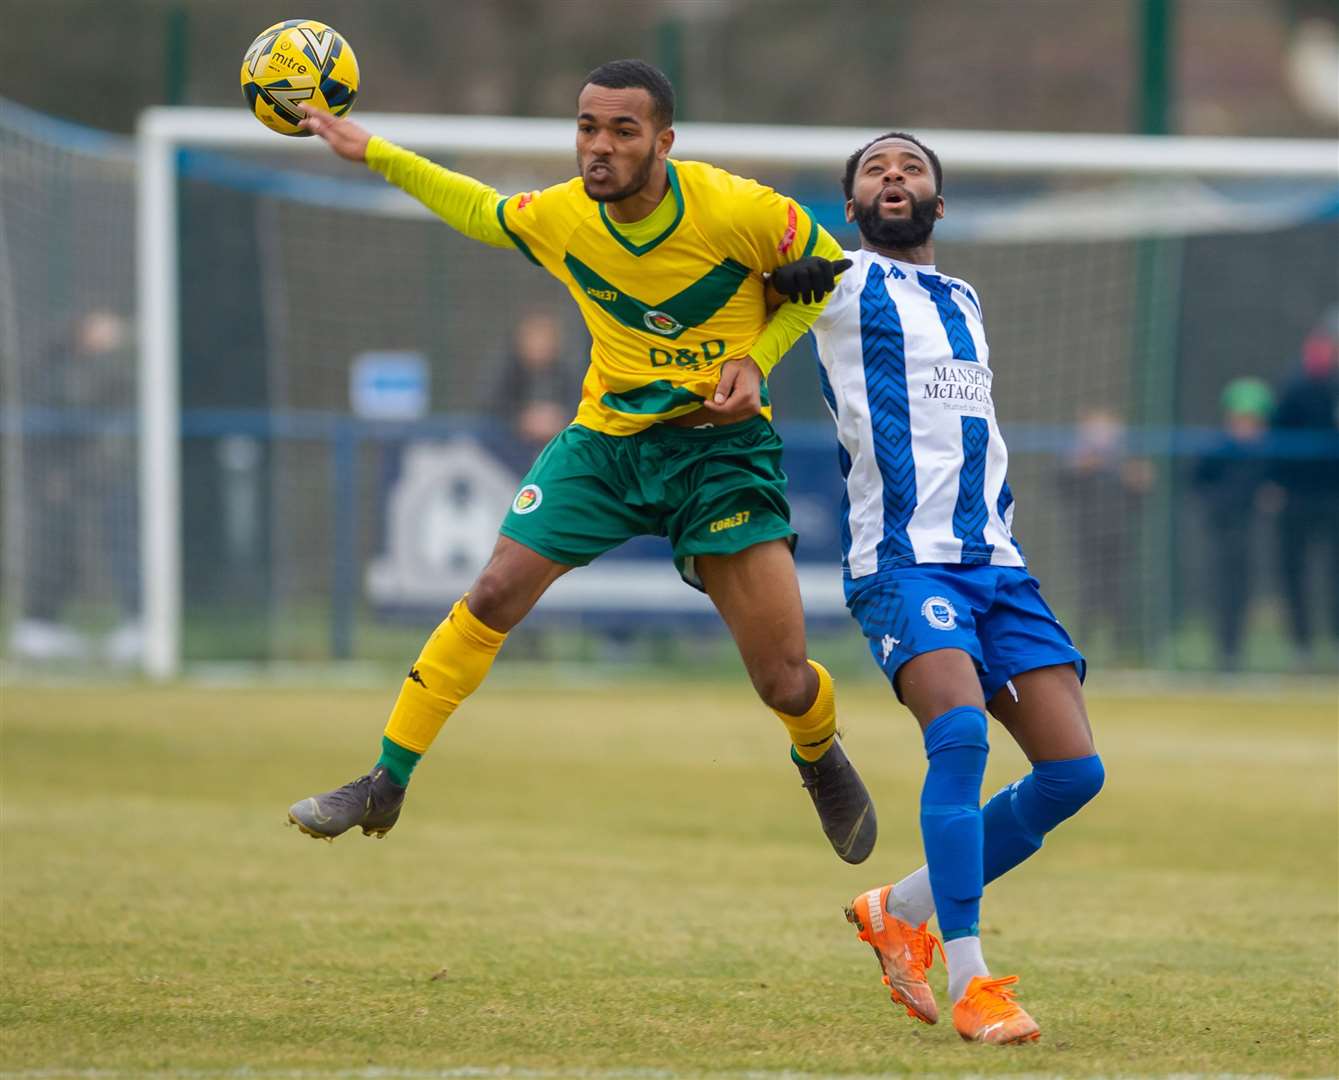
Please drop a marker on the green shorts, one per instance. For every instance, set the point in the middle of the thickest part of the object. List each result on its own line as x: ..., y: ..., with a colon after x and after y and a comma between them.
x: 712, y: 491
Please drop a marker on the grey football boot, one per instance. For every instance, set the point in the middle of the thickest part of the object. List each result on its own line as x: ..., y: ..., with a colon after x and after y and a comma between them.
x: 843, y: 804
x: 372, y: 801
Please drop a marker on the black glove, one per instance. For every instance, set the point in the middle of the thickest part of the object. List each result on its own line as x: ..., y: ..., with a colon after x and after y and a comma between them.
x: 809, y: 279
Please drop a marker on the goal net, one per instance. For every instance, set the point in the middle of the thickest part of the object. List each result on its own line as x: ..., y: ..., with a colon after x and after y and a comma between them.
x: 305, y: 450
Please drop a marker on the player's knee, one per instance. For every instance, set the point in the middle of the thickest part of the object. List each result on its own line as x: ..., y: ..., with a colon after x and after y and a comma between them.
x: 1063, y: 788
x: 962, y: 728
x: 492, y: 600
x: 1086, y: 777
x: 956, y: 746
x: 785, y: 686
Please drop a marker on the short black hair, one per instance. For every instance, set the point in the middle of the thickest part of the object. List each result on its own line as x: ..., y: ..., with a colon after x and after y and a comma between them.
x: 848, y: 181
x: 626, y: 74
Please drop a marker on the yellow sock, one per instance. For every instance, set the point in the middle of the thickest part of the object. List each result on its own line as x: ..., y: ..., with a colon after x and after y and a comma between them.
x: 813, y: 732
x: 451, y: 666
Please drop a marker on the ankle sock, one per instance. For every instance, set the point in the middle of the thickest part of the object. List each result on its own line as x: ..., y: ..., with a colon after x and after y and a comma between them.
x: 398, y: 760
x: 965, y: 963
x: 911, y: 899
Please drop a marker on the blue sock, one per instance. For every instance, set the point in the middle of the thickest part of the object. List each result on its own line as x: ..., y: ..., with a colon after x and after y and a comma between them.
x: 1017, y: 817
x: 951, y: 824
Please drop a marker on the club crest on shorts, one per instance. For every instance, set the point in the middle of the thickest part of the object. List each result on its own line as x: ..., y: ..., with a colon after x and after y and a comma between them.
x: 527, y: 499
x: 940, y: 613
x: 660, y: 323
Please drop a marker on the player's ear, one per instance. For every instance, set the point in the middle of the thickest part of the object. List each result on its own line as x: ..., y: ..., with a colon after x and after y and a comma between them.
x: 850, y: 209
x: 664, y: 140
x: 939, y: 207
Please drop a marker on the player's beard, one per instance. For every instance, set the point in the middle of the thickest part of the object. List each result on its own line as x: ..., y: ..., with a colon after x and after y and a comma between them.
x: 897, y: 233
x: 638, y: 181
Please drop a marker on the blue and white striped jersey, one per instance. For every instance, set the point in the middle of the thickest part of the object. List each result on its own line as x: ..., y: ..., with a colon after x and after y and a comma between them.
x: 905, y: 370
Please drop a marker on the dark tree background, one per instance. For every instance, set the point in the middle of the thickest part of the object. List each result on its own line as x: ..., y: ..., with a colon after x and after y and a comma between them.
x: 1056, y: 65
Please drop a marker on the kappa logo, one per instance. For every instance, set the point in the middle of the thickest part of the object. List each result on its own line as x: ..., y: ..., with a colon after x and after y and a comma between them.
x: 940, y: 613
x: 889, y: 644
x: 658, y: 322
x: 416, y: 677
x: 528, y: 499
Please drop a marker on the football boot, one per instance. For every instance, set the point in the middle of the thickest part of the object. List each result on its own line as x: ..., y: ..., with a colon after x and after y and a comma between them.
x: 988, y: 1013
x: 904, y: 952
x: 372, y: 801
x: 843, y: 805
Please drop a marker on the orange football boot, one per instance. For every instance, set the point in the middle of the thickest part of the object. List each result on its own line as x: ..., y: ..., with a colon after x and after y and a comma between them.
x: 987, y: 1013
x: 904, y: 952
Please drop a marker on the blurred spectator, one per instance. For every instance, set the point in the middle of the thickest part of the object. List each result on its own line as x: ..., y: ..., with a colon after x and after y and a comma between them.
x: 1309, y: 404
x: 1232, y: 480
x: 535, y: 390
x: 79, y: 485
x: 1104, y: 488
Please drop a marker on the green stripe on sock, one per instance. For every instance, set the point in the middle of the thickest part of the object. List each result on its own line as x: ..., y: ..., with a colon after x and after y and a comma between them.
x: 397, y: 761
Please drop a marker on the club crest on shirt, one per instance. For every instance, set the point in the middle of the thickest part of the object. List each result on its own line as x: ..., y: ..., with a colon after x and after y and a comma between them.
x: 528, y: 499
x: 940, y: 613
x: 660, y: 323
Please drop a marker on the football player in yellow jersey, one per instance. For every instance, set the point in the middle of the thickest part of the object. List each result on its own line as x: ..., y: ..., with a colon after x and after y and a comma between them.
x: 667, y: 261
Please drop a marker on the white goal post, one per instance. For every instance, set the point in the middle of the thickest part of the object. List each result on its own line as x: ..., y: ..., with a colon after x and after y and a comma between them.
x: 162, y: 132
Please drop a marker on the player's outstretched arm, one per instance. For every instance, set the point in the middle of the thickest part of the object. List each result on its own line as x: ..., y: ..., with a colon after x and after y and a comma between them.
x: 343, y: 136
x: 462, y: 202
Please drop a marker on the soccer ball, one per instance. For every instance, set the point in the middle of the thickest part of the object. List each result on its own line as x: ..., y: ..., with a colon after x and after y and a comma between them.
x: 295, y: 62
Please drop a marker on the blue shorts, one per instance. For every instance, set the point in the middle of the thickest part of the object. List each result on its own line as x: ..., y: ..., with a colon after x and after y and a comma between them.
x: 995, y: 614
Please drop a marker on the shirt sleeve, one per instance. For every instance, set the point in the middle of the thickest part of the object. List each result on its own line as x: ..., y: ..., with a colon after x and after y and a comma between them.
x: 467, y: 205
x: 533, y: 220
x: 770, y: 229
x: 791, y: 320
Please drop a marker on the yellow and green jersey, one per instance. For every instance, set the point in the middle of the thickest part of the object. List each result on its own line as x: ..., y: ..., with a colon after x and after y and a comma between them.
x: 667, y: 300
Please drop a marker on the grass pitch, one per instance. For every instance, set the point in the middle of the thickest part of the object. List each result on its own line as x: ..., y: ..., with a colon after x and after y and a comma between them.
x: 631, y: 880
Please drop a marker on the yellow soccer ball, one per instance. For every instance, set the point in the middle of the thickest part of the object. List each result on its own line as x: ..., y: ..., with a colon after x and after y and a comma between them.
x: 297, y: 62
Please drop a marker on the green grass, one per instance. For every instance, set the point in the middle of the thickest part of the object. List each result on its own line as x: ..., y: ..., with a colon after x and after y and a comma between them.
x: 619, y: 880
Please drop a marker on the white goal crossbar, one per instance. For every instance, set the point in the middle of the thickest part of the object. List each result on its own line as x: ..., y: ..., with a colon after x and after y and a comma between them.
x: 163, y: 131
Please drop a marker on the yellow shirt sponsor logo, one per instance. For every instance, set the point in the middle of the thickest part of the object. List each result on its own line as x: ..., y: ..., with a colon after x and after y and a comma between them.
x: 731, y: 522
